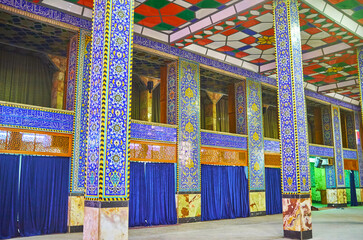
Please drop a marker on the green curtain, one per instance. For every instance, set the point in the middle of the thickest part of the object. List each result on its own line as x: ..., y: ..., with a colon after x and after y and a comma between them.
x: 135, y: 101
x: 222, y: 115
x: 25, y: 77
x: 156, y: 104
x: 270, y: 120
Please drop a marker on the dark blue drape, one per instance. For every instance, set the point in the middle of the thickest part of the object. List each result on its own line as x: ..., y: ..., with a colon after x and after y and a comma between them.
x: 353, y: 193
x: 43, y: 195
x: 224, y: 192
x: 9, y: 181
x: 273, y: 190
x: 152, y: 194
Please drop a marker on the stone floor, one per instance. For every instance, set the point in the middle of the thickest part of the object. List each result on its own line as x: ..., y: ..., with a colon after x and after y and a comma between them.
x: 328, y: 224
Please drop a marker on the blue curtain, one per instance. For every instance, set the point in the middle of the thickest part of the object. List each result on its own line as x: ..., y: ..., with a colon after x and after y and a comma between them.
x: 224, y: 192
x: 273, y: 190
x: 353, y: 194
x: 43, y: 195
x: 9, y: 181
x: 152, y: 194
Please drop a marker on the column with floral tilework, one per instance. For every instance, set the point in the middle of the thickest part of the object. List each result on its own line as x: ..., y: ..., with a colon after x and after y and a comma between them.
x: 109, y: 120
x: 296, y: 201
x: 357, y: 117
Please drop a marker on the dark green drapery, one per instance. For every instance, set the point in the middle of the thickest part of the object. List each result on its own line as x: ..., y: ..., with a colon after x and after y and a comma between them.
x: 270, y: 122
x: 25, y: 77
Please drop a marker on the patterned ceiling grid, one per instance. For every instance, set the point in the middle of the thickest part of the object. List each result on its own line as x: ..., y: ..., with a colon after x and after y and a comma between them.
x: 171, y: 15
x: 353, y: 8
x: 215, y: 82
x: 25, y: 33
x: 145, y: 64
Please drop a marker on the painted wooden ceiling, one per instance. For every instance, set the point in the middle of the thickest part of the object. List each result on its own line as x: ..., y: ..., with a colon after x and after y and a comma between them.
x: 241, y: 33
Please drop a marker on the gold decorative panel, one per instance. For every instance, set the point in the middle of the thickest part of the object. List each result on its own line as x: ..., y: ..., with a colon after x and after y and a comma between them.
x: 32, y: 142
x: 220, y: 156
x: 153, y: 151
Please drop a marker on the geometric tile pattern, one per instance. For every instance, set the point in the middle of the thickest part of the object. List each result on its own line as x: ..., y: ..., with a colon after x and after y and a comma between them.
x: 255, y: 136
x: 338, y: 147
x: 86, y: 3
x: 170, y: 15
x: 214, y: 139
x: 215, y: 82
x: 24, y: 117
x: 350, y: 130
x: 189, y: 127
x: 331, y: 68
x: 357, y: 118
x: 353, y: 8
x: 35, y: 35
x: 145, y: 64
x: 109, y: 119
x: 81, y: 112
x: 292, y: 114
x: 321, y: 151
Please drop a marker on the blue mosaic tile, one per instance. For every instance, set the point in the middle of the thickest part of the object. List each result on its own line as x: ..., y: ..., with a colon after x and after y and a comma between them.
x: 349, y: 154
x: 34, y: 118
x: 271, y: 146
x: 48, y: 13
x: 321, y: 151
x: 153, y: 132
x: 338, y: 147
x: 330, y: 176
x: 223, y: 140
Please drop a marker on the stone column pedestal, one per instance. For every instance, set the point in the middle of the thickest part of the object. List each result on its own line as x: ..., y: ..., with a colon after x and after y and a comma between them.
x: 189, y: 207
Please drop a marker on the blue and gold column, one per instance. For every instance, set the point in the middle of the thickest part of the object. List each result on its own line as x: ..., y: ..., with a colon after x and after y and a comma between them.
x: 107, y: 180
x: 360, y: 157
x: 295, y: 175
x: 359, y: 187
x: 189, y: 169
x: 79, y: 155
x: 256, y: 158
x: 340, y: 198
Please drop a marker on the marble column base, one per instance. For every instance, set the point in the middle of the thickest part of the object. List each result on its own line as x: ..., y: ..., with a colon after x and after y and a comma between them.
x: 297, y: 216
x: 359, y: 195
x: 75, y: 212
x: 189, y: 207
x: 336, y: 197
x: 106, y: 220
x: 258, y: 203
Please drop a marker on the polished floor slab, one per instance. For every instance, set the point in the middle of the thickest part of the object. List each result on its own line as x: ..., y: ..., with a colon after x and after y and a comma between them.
x: 331, y: 224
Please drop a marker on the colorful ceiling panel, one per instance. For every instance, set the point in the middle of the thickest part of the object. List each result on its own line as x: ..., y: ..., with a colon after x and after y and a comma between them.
x: 331, y: 68
x: 28, y: 34
x: 86, y: 3
x: 350, y: 92
x: 353, y: 8
x: 169, y: 15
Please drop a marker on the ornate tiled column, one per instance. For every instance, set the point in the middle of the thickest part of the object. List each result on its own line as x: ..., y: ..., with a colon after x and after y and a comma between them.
x: 79, y: 154
x: 107, y: 180
x: 256, y: 158
x: 336, y: 194
x: 71, y: 73
x: 240, y: 107
x: 296, y: 199
x: 188, y: 170
x: 349, y: 118
x: 358, y: 121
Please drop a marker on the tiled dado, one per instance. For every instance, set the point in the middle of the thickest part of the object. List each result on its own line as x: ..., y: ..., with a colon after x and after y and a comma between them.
x: 105, y: 222
x: 189, y: 207
x: 258, y: 203
x: 297, y: 217
x: 336, y: 197
x: 75, y: 213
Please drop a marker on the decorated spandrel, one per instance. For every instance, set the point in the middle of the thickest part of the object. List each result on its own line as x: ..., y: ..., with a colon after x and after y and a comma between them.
x: 292, y: 112
x: 189, y: 127
x: 81, y: 112
x: 255, y: 136
x: 338, y: 148
x: 109, y: 120
x: 241, y: 116
x: 172, y: 104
